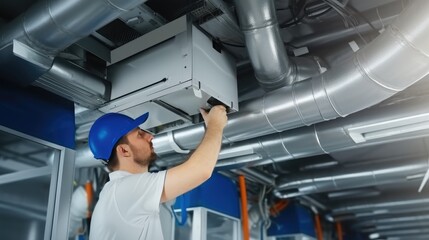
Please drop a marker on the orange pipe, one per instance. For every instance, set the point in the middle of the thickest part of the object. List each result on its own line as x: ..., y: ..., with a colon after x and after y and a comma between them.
x: 339, y: 230
x: 89, y: 197
x: 278, y: 206
x: 244, y: 214
x: 319, y: 232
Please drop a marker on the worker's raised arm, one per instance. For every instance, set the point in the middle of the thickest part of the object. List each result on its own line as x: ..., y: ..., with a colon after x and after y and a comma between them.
x: 199, y: 167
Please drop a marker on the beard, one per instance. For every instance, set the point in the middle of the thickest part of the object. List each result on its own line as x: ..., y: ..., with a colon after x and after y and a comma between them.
x: 143, y: 160
x: 146, y: 161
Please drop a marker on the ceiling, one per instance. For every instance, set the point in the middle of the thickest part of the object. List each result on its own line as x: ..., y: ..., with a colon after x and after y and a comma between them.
x: 370, y: 185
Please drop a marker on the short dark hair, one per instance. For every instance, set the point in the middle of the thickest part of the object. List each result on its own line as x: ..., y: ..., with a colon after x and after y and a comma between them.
x: 113, y: 162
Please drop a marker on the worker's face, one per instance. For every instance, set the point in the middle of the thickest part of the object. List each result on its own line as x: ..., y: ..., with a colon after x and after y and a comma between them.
x: 140, y: 143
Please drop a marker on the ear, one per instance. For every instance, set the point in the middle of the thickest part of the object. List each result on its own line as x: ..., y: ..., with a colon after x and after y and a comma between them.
x: 123, y: 150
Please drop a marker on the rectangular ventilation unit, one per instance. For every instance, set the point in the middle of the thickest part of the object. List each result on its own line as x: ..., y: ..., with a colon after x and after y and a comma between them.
x: 170, y: 72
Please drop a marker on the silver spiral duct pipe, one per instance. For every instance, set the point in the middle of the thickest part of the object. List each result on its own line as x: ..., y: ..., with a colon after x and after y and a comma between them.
x: 393, y: 61
x: 259, y: 24
x: 303, y: 142
x: 49, y: 27
x: 322, y: 138
x: 406, y: 225
x: 343, y: 178
x: 368, y: 206
x: 381, y: 213
x: 409, y: 233
x: 52, y: 25
x: 394, y: 220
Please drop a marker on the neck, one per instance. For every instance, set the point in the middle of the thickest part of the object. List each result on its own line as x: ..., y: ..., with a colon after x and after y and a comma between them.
x: 132, y: 167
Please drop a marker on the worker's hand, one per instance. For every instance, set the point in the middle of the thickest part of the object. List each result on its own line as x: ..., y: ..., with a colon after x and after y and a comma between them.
x: 216, y: 118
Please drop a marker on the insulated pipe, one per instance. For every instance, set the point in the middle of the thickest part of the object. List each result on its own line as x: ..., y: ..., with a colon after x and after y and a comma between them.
x: 264, y: 44
x: 389, y: 64
x: 52, y: 25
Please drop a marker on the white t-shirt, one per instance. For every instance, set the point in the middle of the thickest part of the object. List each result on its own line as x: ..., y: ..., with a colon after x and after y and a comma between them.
x: 128, y: 207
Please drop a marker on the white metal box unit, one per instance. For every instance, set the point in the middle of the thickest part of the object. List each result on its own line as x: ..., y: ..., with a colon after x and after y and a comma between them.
x: 171, y: 72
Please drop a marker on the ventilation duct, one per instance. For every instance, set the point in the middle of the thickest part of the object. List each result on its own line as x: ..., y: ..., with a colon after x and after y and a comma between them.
x: 381, y: 213
x: 368, y: 206
x: 415, y: 218
x: 409, y: 233
x: 258, y: 22
x: 75, y: 84
x: 395, y: 226
x: 319, y: 139
x: 390, y: 63
x: 58, y: 20
x: 30, y: 42
x: 338, y: 179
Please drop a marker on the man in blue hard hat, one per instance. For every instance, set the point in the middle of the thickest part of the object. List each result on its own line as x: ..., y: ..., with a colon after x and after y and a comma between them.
x: 128, y: 206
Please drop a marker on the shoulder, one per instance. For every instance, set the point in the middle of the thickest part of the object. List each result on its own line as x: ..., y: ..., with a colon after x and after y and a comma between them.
x: 144, y: 177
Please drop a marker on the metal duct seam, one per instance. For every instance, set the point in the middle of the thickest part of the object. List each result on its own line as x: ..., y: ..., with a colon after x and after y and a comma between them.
x: 318, y: 140
x: 266, y: 116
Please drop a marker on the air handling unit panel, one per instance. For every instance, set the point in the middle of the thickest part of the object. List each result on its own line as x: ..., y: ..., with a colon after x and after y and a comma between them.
x: 175, y: 70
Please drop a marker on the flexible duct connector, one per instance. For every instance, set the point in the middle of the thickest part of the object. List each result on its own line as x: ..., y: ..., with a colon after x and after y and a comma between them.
x: 52, y: 25
x: 395, y: 60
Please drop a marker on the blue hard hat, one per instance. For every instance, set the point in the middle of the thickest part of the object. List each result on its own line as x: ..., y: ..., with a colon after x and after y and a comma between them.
x: 108, y: 129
